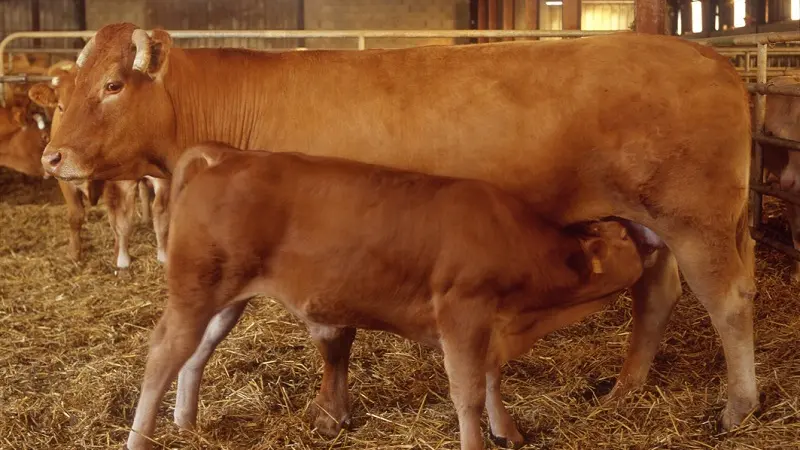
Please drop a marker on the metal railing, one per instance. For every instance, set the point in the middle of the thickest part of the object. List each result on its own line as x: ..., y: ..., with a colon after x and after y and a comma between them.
x: 761, y: 89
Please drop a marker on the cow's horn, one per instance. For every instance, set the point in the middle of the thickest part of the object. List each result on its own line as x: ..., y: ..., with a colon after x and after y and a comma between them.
x: 85, y: 53
x: 142, y: 42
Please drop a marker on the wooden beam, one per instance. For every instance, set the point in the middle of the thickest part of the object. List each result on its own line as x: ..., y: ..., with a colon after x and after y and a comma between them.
x: 709, y: 10
x: 35, y: 21
x: 492, y: 17
x: 650, y: 16
x: 532, y: 15
x: 686, y: 16
x: 725, y: 15
x: 571, y: 15
x: 482, y: 10
x: 508, y: 16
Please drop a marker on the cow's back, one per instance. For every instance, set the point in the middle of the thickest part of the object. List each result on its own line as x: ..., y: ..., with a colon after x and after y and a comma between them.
x: 570, y: 125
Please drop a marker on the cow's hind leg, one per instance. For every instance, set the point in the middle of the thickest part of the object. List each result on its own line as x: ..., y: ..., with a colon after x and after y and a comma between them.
x: 144, y: 200
x: 173, y: 341
x: 120, y: 197
x: 331, y: 409
x: 720, y: 271
x: 794, y: 227
x: 654, y: 298
x: 192, y: 372
x: 504, y: 430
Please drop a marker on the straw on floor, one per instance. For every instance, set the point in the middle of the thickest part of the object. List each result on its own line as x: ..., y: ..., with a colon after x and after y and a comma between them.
x: 73, y: 338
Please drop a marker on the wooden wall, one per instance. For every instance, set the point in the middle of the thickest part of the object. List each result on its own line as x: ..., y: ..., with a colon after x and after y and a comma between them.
x: 19, y: 15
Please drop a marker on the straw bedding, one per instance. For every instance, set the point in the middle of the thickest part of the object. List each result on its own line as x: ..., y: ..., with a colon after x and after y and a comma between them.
x: 73, y: 338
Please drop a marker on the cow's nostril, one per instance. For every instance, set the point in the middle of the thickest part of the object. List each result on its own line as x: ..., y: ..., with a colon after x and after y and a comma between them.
x: 54, y: 159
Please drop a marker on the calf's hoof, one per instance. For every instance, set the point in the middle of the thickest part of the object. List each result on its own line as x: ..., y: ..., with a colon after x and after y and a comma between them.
x: 513, y: 442
x: 327, y: 422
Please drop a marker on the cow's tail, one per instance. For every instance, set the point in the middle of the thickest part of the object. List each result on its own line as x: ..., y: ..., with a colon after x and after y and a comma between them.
x: 193, y: 161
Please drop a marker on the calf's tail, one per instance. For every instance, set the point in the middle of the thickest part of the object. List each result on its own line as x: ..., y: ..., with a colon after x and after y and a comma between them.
x: 193, y: 161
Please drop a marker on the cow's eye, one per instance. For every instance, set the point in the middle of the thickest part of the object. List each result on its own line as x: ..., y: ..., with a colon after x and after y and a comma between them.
x: 113, y: 87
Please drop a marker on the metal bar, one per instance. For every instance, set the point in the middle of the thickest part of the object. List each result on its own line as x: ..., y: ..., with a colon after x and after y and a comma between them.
x: 757, y: 165
x: 786, y: 144
x: 751, y: 39
x: 791, y: 90
x: 760, y: 236
x: 24, y: 78
x: 765, y: 189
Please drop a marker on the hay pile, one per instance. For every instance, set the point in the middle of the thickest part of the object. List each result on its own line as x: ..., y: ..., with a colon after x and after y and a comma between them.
x: 73, y: 341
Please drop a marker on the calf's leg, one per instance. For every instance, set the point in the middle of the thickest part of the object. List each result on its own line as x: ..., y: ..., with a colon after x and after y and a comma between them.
x: 192, y: 372
x: 161, y: 215
x: 76, y: 214
x: 175, y: 338
x: 464, y: 335
x: 120, y: 197
x: 502, y: 425
x: 654, y: 298
x: 331, y: 409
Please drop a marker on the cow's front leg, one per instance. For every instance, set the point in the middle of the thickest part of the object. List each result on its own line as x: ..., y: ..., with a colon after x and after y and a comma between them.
x: 504, y: 430
x: 331, y: 409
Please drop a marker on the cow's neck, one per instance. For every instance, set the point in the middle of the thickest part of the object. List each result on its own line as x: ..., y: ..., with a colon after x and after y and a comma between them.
x: 215, y: 102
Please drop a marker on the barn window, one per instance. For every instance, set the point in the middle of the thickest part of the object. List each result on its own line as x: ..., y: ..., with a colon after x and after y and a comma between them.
x: 740, y: 11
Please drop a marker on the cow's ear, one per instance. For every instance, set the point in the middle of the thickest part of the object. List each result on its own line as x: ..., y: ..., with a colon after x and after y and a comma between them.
x: 152, y: 52
x: 43, y: 95
x: 595, y: 250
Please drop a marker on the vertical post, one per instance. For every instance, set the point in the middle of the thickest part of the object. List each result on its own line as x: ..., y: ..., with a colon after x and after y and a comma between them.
x: 571, y: 15
x: 482, y: 19
x: 757, y: 166
x: 301, y: 20
x: 532, y: 15
x: 650, y: 16
x: 725, y: 15
x: 508, y: 16
x: 709, y: 14
x: 492, y: 17
x: 80, y: 19
x: 35, y: 21
x: 686, y: 16
x: 362, y: 42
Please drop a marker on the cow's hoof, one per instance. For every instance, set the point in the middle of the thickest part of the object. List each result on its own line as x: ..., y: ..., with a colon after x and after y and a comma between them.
x: 327, y: 422
x: 733, y: 417
x: 513, y: 443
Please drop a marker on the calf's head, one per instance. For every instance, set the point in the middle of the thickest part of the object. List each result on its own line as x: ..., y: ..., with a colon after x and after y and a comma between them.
x: 610, y: 259
x: 118, y: 110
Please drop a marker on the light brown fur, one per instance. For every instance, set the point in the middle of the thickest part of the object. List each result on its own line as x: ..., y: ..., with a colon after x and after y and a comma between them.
x: 454, y: 264
x: 652, y: 129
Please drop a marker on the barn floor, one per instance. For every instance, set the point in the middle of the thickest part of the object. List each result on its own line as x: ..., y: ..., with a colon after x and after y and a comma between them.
x: 73, y: 341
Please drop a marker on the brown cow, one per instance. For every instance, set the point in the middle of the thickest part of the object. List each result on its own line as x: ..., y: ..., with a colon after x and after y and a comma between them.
x: 23, y: 137
x: 455, y: 264
x: 783, y: 120
x: 118, y: 196
x: 572, y: 126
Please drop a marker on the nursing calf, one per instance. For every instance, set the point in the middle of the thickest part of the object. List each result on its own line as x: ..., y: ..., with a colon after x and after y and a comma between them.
x: 452, y: 263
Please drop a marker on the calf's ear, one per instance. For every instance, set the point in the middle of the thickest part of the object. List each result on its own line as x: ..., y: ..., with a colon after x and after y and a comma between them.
x: 596, y: 250
x: 43, y: 95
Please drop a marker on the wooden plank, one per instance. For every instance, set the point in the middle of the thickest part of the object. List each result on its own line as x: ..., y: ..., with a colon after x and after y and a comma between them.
x: 482, y: 17
x: 650, y: 16
x: 508, y: 16
x: 532, y: 15
x: 571, y: 18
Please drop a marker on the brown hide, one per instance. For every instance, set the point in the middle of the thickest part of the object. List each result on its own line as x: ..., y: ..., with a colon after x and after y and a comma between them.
x: 388, y: 250
x: 21, y: 142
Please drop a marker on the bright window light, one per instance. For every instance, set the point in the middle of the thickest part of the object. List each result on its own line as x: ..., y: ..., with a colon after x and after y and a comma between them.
x: 795, y: 14
x: 697, y: 17
x: 554, y: 3
x: 740, y: 10
x: 678, y: 18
